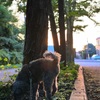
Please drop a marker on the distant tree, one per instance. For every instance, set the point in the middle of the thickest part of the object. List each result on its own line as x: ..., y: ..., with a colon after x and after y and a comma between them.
x: 6, y: 3
x: 90, y: 49
x: 10, y: 43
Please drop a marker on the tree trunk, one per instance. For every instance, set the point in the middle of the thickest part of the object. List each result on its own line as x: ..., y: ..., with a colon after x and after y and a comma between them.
x: 69, y: 40
x: 62, y: 30
x: 70, y: 21
x: 36, y: 29
x: 53, y: 27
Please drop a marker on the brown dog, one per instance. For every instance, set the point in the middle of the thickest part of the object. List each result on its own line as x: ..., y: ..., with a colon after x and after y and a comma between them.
x: 43, y: 70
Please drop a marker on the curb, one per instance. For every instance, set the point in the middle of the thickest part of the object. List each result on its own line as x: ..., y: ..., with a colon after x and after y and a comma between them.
x: 79, y: 93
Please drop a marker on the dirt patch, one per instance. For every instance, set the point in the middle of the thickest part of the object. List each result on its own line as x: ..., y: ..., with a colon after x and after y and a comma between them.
x: 92, y: 82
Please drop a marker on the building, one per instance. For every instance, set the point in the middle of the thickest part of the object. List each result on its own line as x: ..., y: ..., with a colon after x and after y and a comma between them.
x: 98, y: 45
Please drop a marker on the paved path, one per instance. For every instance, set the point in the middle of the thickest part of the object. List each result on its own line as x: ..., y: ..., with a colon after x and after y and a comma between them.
x: 79, y: 93
x: 4, y: 74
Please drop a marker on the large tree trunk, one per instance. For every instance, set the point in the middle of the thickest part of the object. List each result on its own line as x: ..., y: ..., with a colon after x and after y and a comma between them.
x: 62, y: 30
x: 53, y: 27
x: 36, y: 29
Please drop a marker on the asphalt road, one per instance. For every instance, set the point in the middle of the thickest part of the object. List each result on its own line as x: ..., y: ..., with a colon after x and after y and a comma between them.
x: 87, y: 62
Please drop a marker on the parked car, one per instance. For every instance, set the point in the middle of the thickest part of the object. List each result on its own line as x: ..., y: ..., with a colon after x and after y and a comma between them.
x: 95, y: 57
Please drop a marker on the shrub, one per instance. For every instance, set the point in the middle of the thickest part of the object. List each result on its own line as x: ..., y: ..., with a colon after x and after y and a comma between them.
x: 5, y: 89
x: 11, y: 57
x: 67, y: 76
x: 9, y: 66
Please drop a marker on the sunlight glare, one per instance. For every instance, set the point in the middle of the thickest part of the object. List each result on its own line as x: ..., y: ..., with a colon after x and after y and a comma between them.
x: 50, y: 40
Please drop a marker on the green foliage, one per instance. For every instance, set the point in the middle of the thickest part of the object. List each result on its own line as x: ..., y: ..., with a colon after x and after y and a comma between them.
x: 6, y: 2
x: 22, y: 5
x: 90, y: 49
x: 67, y: 76
x: 11, y: 45
x: 11, y: 57
x: 9, y: 66
x: 5, y: 89
x: 77, y: 9
x: 6, y: 16
x: 80, y: 28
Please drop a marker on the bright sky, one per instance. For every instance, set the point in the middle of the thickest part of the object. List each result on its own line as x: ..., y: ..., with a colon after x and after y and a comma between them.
x: 91, y: 32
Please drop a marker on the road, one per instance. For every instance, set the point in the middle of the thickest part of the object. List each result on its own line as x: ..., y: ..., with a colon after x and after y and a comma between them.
x: 87, y: 62
x: 4, y: 74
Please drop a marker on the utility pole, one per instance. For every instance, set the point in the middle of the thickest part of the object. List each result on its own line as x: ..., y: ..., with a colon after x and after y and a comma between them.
x: 88, y: 56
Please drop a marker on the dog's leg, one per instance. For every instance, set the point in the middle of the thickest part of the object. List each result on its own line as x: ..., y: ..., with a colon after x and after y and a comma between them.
x: 35, y: 91
x: 55, y: 86
x: 48, y: 80
x: 41, y: 90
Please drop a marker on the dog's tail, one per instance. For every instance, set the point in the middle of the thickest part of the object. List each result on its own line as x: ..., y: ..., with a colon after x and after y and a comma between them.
x: 54, y: 56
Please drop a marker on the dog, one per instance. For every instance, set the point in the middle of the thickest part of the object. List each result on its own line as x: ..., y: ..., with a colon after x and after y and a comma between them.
x: 44, y: 70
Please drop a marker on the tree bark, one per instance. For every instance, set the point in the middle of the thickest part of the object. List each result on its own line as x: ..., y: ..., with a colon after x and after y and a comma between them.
x: 53, y: 27
x: 69, y: 40
x: 62, y: 30
x: 70, y: 21
x: 36, y: 29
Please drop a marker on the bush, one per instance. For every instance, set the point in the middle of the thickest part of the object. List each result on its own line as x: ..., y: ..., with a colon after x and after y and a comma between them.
x: 5, y: 89
x: 11, y: 57
x: 9, y: 66
x: 67, y: 76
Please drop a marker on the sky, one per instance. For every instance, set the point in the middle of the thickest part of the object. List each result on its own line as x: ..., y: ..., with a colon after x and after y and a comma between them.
x: 89, y: 35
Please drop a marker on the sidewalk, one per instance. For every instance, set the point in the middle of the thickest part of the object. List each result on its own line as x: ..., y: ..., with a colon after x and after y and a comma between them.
x: 4, y: 74
x: 79, y: 93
